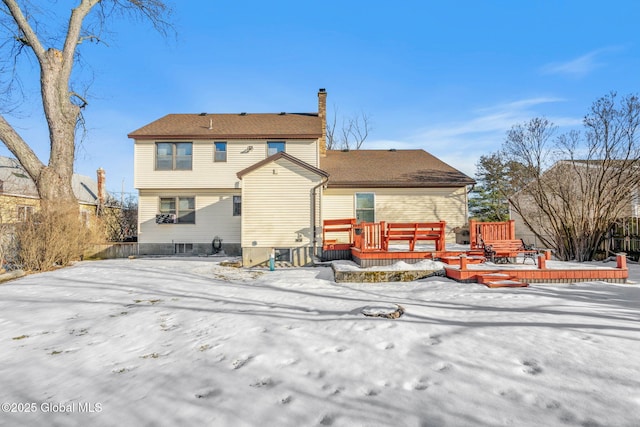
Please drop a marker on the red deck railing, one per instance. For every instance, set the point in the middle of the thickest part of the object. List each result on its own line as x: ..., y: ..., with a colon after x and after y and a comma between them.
x: 479, y: 231
x: 375, y: 236
x: 369, y: 236
x: 340, y: 231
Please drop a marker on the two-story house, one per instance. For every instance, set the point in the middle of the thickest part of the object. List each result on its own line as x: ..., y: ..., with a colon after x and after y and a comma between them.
x: 259, y: 182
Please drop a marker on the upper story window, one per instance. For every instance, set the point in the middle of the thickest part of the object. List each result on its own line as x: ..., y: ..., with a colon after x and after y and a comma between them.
x: 173, y: 156
x: 274, y: 147
x: 220, y: 153
x: 1, y: 186
x: 183, y: 209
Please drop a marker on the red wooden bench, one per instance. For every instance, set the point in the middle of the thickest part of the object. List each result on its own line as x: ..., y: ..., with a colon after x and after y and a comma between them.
x: 503, y: 250
x: 414, y: 232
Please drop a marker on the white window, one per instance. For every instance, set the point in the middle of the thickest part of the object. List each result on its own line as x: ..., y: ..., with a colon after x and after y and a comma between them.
x: 182, y: 208
x: 274, y: 147
x: 365, y: 207
x: 173, y: 156
x: 220, y: 154
x: 25, y: 213
x: 85, y: 218
x: 237, y: 205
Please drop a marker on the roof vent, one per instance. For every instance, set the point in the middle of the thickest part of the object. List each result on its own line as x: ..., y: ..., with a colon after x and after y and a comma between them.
x: 203, y: 114
x: 243, y: 114
x: 393, y: 150
x: 345, y: 150
x: 282, y: 113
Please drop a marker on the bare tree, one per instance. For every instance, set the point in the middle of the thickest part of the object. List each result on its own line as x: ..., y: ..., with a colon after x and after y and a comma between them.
x: 351, y: 135
x: 573, y: 186
x: 26, y: 31
x: 120, y: 218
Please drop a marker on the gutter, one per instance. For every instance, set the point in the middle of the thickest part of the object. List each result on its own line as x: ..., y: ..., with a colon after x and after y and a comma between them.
x: 314, y: 190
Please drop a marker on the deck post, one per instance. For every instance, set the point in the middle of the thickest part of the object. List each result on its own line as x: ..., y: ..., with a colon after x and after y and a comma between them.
x: 512, y: 229
x: 621, y: 260
x: 542, y: 261
x: 547, y: 254
x: 463, y: 262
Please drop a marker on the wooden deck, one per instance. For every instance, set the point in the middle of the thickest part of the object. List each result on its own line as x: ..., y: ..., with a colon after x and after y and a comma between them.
x: 542, y: 273
x: 367, y: 244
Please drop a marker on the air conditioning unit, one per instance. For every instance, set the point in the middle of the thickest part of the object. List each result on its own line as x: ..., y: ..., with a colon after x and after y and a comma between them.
x: 166, y: 219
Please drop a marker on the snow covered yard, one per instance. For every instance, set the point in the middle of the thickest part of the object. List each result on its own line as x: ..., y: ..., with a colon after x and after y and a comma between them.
x: 188, y: 342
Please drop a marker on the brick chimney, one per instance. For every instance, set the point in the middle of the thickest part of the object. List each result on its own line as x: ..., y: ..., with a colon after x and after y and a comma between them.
x: 102, y: 192
x: 322, y: 113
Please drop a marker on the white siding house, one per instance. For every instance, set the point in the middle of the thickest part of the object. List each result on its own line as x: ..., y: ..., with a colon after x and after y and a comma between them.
x: 263, y: 182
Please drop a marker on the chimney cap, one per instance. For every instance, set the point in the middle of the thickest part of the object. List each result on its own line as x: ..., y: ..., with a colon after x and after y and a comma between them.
x: 322, y: 90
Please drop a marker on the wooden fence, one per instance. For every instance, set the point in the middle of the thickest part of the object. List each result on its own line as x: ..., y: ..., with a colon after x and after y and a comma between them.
x: 623, y: 236
x: 112, y: 250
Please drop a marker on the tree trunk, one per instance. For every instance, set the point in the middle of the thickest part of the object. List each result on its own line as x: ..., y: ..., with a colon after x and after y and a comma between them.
x: 54, y: 181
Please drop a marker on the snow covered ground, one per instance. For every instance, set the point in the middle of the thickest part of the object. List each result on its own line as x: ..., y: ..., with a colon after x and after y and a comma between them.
x: 188, y: 342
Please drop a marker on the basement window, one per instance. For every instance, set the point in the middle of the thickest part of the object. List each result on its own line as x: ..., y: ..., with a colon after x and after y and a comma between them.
x: 183, y: 248
x: 282, y: 254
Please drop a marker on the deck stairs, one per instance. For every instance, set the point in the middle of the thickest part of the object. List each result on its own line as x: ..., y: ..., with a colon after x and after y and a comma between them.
x: 500, y: 280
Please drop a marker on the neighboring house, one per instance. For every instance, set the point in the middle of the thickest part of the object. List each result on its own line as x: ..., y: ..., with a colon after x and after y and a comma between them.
x: 569, y: 186
x: 19, y: 197
x: 263, y: 182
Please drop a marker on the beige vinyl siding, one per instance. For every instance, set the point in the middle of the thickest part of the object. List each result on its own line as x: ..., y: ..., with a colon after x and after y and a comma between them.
x: 277, y: 205
x: 206, y: 173
x: 307, y: 151
x: 403, y: 205
x: 214, y: 217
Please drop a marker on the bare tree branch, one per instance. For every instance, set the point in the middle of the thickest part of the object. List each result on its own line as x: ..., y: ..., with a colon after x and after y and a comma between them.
x: 28, y: 32
x: 574, y: 187
x: 351, y: 135
x: 29, y: 35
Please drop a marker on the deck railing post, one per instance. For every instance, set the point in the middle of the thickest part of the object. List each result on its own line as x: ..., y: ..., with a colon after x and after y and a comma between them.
x: 463, y: 262
x: 621, y: 260
x: 542, y: 262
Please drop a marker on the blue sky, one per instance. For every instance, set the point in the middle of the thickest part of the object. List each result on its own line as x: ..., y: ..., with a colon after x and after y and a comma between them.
x: 450, y: 77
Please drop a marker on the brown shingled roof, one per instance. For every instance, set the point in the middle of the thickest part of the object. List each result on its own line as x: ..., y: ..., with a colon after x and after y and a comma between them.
x: 390, y: 168
x: 233, y: 126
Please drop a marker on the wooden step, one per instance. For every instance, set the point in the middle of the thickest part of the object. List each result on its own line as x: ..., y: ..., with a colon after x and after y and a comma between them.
x: 493, y: 277
x: 500, y: 280
x: 455, y: 260
x: 505, y: 284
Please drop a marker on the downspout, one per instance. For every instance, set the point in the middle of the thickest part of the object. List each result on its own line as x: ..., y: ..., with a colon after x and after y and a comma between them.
x: 313, y: 212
